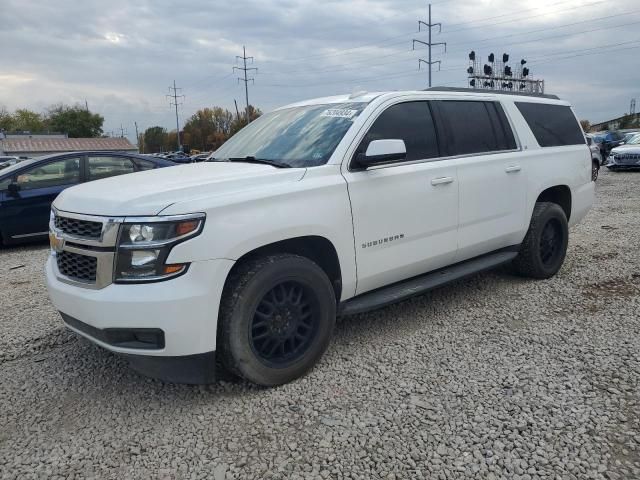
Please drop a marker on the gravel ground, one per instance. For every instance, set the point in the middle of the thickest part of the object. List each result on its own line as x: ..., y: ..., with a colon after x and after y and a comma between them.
x: 492, y: 377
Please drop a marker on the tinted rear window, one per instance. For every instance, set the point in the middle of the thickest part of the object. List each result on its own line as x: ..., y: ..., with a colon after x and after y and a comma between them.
x: 475, y: 127
x: 552, y: 125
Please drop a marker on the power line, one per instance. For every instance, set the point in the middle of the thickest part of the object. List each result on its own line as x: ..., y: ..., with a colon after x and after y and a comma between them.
x: 246, y: 80
x: 429, y: 44
x: 384, y: 42
x: 175, y: 103
x: 555, y: 27
x: 528, y: 17
x: 395, y: 53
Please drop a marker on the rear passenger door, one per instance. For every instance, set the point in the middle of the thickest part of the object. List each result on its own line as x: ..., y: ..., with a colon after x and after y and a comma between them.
x: 491, y: 175
x: 405, y: 214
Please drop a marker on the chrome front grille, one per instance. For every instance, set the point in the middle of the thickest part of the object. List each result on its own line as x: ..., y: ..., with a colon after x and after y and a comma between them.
x: 84, y: 248
x: 81, y: 268
x: 79, y: 228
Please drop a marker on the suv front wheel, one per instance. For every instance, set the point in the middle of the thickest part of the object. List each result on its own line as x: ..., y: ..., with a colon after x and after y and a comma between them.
x: 277, y: 318
x: 545, y: 246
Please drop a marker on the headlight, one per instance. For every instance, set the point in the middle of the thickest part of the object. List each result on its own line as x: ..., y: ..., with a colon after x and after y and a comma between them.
x: 144, y: 246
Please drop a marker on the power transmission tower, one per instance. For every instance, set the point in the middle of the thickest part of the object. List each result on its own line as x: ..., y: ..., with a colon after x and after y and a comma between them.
x: 246, y: 80
x: 173, y: 101
x: 632, y: 107
x: 429, y: 44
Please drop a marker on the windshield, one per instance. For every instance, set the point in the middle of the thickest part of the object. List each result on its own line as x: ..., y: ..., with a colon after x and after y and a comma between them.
x: 298, y: 137
x: 17, y: 166
x: 635, y: 140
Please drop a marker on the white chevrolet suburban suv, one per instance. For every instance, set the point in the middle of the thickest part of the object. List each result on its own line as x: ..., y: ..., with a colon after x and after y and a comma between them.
x: 322, y: 208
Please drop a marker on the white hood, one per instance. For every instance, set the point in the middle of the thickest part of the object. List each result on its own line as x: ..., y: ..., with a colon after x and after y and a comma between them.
x: 150, y: 192
x: 635, y: 149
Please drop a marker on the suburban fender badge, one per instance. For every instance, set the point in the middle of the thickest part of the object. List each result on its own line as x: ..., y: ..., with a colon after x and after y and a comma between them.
x: 382, y: 241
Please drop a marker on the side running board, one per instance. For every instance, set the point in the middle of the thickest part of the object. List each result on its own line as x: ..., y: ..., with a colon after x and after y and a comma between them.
x: 415, y: 286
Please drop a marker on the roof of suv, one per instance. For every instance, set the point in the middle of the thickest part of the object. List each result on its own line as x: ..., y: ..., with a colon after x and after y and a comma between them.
x: 366, y: 97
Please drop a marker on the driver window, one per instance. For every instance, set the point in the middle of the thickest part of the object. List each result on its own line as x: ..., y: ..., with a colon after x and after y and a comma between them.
x: 411, y: 122
x: 62, y: 172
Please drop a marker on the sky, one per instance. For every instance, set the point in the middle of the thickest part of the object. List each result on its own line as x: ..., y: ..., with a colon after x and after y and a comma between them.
x: 122, y: 56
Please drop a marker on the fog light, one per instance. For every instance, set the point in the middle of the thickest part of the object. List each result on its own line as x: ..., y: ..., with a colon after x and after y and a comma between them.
x: 141, y: 258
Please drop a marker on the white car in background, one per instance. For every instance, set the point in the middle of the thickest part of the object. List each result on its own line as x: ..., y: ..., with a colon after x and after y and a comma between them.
x: 596, y: 157
x: 625, y: 157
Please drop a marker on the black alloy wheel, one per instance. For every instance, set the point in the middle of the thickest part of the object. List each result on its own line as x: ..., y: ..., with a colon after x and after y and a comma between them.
x: 276, y: 318
x: 544, y: 247
x: 551, y: 242
x: 284, y: 324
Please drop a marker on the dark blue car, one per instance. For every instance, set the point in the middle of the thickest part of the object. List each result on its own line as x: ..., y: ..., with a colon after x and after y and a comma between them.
x: 28, y: 188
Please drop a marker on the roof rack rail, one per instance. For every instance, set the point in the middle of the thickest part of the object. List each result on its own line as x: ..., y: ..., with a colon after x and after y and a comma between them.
x: 483, y: 90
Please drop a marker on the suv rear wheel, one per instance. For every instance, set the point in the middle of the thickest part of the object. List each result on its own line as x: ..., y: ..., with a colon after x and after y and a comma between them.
x: 545, y: 246
x: 277, y: 318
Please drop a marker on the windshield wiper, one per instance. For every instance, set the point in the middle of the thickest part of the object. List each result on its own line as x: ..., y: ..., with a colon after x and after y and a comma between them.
x: 252, y: 159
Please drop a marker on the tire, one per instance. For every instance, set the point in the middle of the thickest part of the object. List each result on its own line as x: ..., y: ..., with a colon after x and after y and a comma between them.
x: 595, y: 169
x: 279, y: 299
x: 544, y: 248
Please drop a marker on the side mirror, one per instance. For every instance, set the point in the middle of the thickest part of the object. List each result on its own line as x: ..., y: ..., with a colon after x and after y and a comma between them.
x: 382, y: 151
x: 13, y: 189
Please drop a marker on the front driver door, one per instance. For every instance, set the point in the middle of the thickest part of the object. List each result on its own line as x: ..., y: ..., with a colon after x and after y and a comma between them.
x: 27, y: 212
x: 405, y: 214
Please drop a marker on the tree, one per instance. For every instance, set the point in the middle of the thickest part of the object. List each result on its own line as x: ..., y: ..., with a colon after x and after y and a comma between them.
x: 155, y: 139
x: 6, y: 120
x: 586, y: 125
x: 628, y: 121
x: 74, y: 121
x: 27, y: 121
x: 208, y: 128
x: 240, y: 122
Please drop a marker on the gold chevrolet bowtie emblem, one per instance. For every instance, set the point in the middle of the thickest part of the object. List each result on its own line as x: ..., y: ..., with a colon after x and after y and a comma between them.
x: 56, y: 242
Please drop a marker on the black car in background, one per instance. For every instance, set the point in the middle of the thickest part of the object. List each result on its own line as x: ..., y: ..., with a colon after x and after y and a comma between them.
x: 28, y: 188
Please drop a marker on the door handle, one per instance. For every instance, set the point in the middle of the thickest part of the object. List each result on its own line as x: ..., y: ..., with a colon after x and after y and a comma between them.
x: 441, y: 180
x: 513, y: 169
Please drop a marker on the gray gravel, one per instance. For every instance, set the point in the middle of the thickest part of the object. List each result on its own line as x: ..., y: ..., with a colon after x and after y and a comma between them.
x: 493, y: 377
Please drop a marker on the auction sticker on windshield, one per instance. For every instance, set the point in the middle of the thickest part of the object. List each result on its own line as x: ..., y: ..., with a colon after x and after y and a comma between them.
x: 339, y: 113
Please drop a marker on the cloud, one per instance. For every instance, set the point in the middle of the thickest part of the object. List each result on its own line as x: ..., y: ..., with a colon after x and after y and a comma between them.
x: 121, y: 59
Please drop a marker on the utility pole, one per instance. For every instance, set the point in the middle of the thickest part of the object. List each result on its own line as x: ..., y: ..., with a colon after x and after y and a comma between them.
x: 122, y: 131
x: 175, y: 103
x: 138, y: 138
x: 246, y: 80
x: 429, y: 44
x: 632, y: 107
x: 237, y: 112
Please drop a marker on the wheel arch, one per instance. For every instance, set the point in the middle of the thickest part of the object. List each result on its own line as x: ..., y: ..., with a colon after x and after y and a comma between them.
x: 560, y: 195
x: 316, y: 248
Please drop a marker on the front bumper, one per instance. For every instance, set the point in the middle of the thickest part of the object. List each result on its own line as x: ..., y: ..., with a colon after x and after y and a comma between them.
x: 184, y: 309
